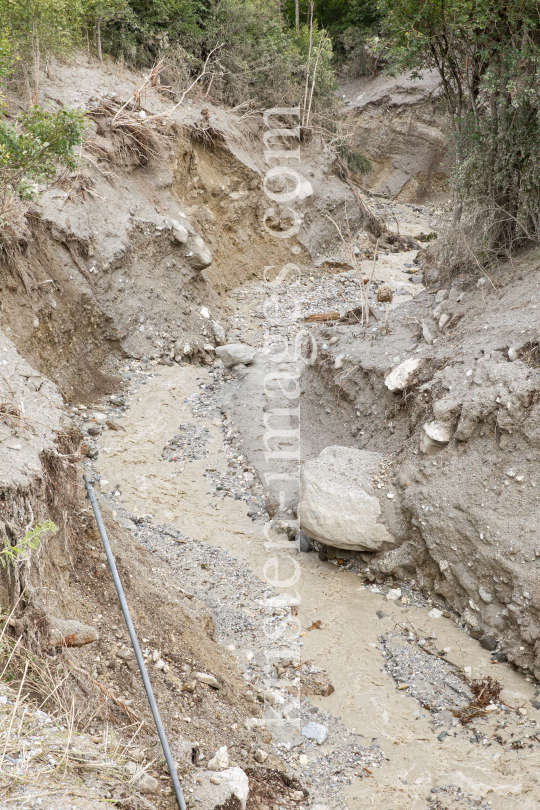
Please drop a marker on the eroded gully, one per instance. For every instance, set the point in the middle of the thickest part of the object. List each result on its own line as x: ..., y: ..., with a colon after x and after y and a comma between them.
x: 366, y: 698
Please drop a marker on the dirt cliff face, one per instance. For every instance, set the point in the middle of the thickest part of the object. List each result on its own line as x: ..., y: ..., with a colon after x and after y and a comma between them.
x: 400, y: 124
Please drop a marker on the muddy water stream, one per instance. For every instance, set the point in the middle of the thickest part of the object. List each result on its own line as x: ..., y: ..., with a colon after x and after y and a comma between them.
x: 365, y: 697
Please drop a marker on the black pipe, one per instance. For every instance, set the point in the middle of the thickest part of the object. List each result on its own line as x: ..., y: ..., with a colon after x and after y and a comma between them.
x: 135, y: 643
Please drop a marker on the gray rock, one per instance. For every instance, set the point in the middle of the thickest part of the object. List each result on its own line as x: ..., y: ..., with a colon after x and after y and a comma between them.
x: 198, y: 256
x: 488, y: 642
x: 303, y: 543
x: 229, y: 789
x: 339, y: 505
x: 426, y: 332
x: 92, y: 429
x: 233, y: 353
x: 284, y: 734
x: 146, y: 784
x: 142, y: 781
x: 315, y: 731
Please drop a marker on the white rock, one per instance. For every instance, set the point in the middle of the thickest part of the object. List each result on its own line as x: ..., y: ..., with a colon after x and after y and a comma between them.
x: 338, y: 503
x: 426, y: 332
x: 205, y: 312
x: 435, y: 613
x: 485, y: 595
x: 220, y: 760
x: 444, y: 320
x: 403, y: 375
x: 435, y: 436
x: 179, y: 233
x: 232, y: 790
x: 233, y: 353
x: 219, y: 333
x: 513, y: 353
x: 315, y: 731
x: 393, y: 594
x: 205, y: 677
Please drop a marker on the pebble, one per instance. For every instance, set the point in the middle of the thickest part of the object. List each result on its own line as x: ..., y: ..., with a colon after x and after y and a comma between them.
x: 204, y: 677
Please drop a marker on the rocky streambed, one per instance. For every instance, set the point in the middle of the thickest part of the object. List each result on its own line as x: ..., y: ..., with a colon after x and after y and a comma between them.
x: 387, y: 675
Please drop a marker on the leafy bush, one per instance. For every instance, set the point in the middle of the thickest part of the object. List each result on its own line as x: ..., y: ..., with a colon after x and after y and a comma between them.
x: 32, y: 149
x: 487, y: 54
x: 15, y: 555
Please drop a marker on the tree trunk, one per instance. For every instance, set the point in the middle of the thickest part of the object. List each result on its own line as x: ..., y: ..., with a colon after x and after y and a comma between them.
x: 297, y: 15
x: 36, y: 54
x: 98, y: 39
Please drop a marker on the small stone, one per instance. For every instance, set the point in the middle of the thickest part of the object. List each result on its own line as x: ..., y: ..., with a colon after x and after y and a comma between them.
x: 220, y: 760
x: 146, y: 784
x: 444, y: 320
x: 522, y: 712
x: 303, y: 760
x: 219, y: 333
x: 260, y: 756
x: 189, y: 686
x: 427, y: 334
x: 384, y: 294
x: 315, y: 731
x: 513, y: 353
x: 215, y: 780
x: 204, y: 677
x: 393, y: 595
x: 488, y: 642
x: 435, y: 613
x: 180, y: 234
x: 302, y: 541
x: 485, y: 595
x: 297, y: 795
x: 160, y: 664
x: 442, y: 735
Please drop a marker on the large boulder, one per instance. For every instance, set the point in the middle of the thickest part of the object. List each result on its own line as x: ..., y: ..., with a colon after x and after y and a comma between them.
x: 233, y: 353
x: 338, y: 503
